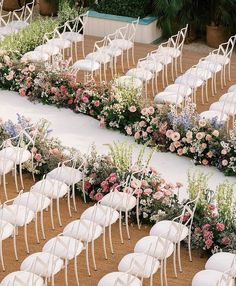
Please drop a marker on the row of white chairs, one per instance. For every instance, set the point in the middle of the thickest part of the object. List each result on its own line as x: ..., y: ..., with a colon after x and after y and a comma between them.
x: 14, y: 21
x: 223, y: 109
x: 157, y: 61
x: 64, y: 38
x: 107, y: 51
x: 151, y: 252
x: 220, y: 270
x: 198, y: 76
x: 76, y: 236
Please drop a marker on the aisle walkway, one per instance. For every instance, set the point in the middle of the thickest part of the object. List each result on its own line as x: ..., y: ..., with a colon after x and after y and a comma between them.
x: 79, y: 131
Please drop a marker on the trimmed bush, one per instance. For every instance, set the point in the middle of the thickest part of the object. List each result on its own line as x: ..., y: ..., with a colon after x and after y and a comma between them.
x: 129, y: 8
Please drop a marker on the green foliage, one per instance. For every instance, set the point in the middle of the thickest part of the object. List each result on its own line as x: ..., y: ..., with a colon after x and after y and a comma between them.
x: 30, y: 37
x: 197, y: 181
x: 131, y: 8
x: 68, y: 11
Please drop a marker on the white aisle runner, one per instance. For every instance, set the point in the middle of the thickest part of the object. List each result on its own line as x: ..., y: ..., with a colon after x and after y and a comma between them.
x: 79, y: 131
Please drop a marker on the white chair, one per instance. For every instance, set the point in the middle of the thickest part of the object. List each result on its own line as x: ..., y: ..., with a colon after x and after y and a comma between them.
x: 104, y: 216
x: 48, y: 52
x: 54, y: 190
x: 69, y: 175
x: 67, y: 248
x: 37, y: 203
x: 36, y: 56
x: 212, y: 278
x: 157, y: 247
x: 43, y: 264
x: 144, y: 75
x: 98, y: 55
x: 177, y: 230
x: 232, y: 88
x: 223, y: 56
x: 222, y: 262
x: 86, y: 231
x: 171, y: 98
x: 4, y: 29
x: 123, y: 200
x: 139, y: 264
x: 22, y: 17
x: 153, y: 66
x: 125, y: 39
x: 18, y: 216
x: 119, y: 278
x: 23, y: 278
x: 6, y: 230
x: 74, y: 32
x: 6, y: 166
x: 16, y: 149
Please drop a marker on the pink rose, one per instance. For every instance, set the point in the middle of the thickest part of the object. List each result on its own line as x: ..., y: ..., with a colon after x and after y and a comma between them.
x: 136, y: 135
x: 197, y: 230
x: 172, y: 147
x: 180, y: 152
x: 169, y: 133
x: 96, y: 103
x: 189, y: 134
x: 204, y: 162
x: 216, y: 133
x: 37, y: 157
x: 144, y: 111
x: 144, y: 134
x: 210, y: 154
x: 144, y: 183
x: 158, y: 195
x: 105, y: 186
x: 192, y: 149
x: 177, y: 144
x: 208, y: 243
x: 112, y: 178
x: 208, y: 137
x: 203, y: 145
x: 206, y: 233
x: 151, y: 110
x: 220, y: 226
x: 84, y: 99
x: 175, y: 136
x: 22, y: 92
x: 211, y: 207
x: 226, y: 240
x: 149, y: 129
x: 132, y: 108
x: 98, y: 196
x: 202, y: 122
x: 147, y: 192
x: 129, y: 130
x: 142, y: 124
x: 167, y: 192
x: 224, y: 152
x: 224, y: 162
x: 87, y: 185
x: 200, y: 135
x: 206, y: 226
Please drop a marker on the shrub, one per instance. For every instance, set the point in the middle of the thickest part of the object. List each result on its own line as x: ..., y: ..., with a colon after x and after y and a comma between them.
x: 131, y: 8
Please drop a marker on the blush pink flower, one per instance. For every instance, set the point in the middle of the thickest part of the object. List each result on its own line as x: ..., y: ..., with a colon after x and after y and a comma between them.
x: 175, y: 136
x: 147, y: 192
x: 226, y: 240
x: 132, y: 108
x: 225, y: 162
x: 96, y: 103
x: 149, y: 129
x: 136, y: 135
x: 151, y: 110
x: 37, y: 157
x: 98, y: 196
x: 224, y: 152
x: 180, y: 152
x: 210, y: 154
x: 144, y: 111
x: 22, y: 92
x: 142, y: 123
x: 197, y: 230
x: 200, y: 135
x: 172, y: 147
x: 84, y: 99
x: 216, y: 133
x: 205, y: 162
x: 105, y: 186
x: 87, y: 185
x: 208, y: 137
x: 169, y: 133
x: 220, y: 226
x: 112, y: 178
x: 208, y: 243
x: 158, y: 195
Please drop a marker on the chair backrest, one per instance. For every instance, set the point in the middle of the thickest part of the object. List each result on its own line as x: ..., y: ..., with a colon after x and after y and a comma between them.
x: 181, y: 37
x: 5, y: 19
x: 28, y: 12
x: 228, y: 47
x: 121, y: 282
x: 132, y: 28
x: 31, y: 280
x: 227, y: 276
x: 98, y: 45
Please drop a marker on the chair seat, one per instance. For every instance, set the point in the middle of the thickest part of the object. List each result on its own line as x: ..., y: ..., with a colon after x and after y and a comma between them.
x: 227, y: 108
x: 122, y: 44
x: 64, y: 247
x: 6, y: 229
x: 72, y: 36
x: 150, y: 65
x: 6, y: 166
x: 16, y: 214
x: 35, y: 56
x: 86, y: 65
x: 140, y: 73
x: 101, y: 215
x: 112, y: 51
x: 159, y: 248
x: 119, y: 200
x: 181, y: 89
x: 99, y: 57
x: 33, y: 200
x: 221, y: 261
x: 202, y: 73
x: 232, y: 88
x: 42, y: 263
x: 16, y: 154
x: 170, y: 230
x: 51, y: 188
x: 212, y: 67
x: 18, y: 24
x: 60, y: 43
x: 210, y: 278
x: 129, y: 82
x: 158, y: 57
x: 229, y: 97
x: 48, y: 49
x: 168, y: 97
x: 111, y: 279
x: 66, y: 174
x: 170, y: 51
x: 19, y: 278
x: 84, y: 230
x: 190, y: 80
x: 212, y: 114
x: 139, y: 264
x: 220, y: 59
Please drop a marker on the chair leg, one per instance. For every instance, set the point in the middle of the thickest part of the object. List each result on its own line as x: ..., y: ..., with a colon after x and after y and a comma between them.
x: 1, y: 256
x: 137, y: 216
x: 4, y: 186
x: 93, y: 255
x: 122, y: 62
x: 120, y: 229
x: 16, y: 181
x: 229, y: 70
x: 42, y: 224
x: 127, y: 224
x: 189, y: 248
x: 68, y: 203
x: 110, y: 239
x: 66, y: 272
x: 87, y: 259
x: 104, y: 243
x: 21, y: 177
x: 133, y: 55
x: 76, y: 271
x: 176, y: 66
x: 14, y: 244
x: 26, y: 238
x: 83, y: 49
x: 58, y: 212
x: 174, y: 261
x: 73, y: 197
x: 36, y: 227
x: 51, y: 214
x: 179, y: 257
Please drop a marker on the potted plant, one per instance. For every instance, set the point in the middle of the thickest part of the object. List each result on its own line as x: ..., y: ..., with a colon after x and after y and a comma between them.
x: 48, y: 7
x: 221, y: 21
